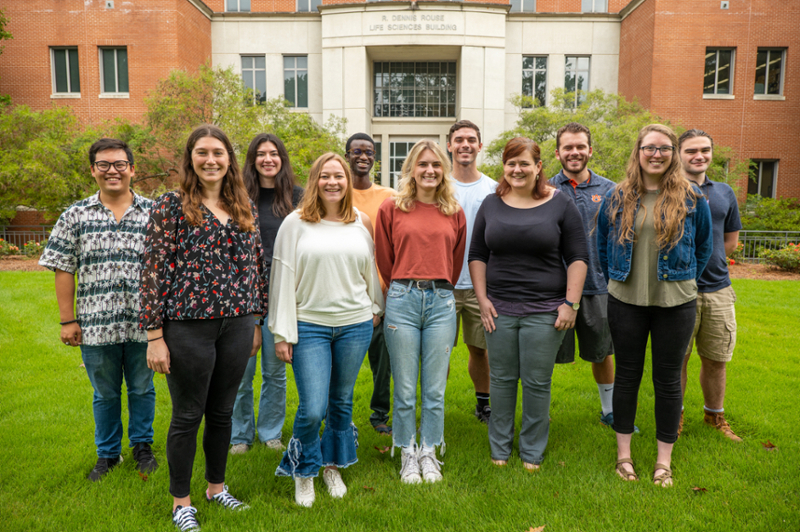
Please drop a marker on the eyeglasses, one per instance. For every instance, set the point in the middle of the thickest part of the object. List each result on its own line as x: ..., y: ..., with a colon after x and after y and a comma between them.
x: 651, y: 150
x: 105, y: 166
x: 358, y: 151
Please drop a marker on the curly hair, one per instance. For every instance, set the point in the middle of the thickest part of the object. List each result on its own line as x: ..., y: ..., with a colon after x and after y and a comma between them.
x: 311, y: 208
x: 445, y: 195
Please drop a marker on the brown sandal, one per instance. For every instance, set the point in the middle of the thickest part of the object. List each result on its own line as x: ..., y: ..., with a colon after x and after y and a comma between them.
x: 625, y: 475
x: 659, y: 480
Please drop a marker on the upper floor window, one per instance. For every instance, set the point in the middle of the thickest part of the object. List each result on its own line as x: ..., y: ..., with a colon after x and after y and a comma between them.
x: 420, y: 89
x: 66, y: 76
x: 769, y: 72
x: 295, y: 80
x: 576, y: 77
x: 114, y: 70
x: 719, y: 71
x: 254, y: 75
x: 308, y: 6
x: 763, y: 178
x: 523, y: 6
x: 240, y: 6
x: 534, y: 78
x: 594, y: 6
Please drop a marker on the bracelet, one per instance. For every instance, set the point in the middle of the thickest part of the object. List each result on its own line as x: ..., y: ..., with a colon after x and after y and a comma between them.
x: 68, y: 322
x: 154, y: 339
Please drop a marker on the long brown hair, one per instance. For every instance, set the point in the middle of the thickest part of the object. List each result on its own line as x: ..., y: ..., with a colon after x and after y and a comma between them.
x: 445, y: 195
x: 284, y: 179
x: 514, y: 148
x: 671, y: 206
x: 311, y: 208
x: 233, y: 196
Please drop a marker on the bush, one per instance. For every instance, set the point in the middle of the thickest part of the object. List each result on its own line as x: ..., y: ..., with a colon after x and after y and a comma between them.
x: 33, y: 248
x: 7, y: 248
x: 737, y: 254
x: 767, y: 214
x: 787, y: 258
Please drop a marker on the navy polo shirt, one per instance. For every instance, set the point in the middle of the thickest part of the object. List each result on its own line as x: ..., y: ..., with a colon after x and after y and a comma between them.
x: 724, y: 219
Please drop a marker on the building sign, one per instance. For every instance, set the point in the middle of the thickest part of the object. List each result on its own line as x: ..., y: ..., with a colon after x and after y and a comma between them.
x: 411, y: 23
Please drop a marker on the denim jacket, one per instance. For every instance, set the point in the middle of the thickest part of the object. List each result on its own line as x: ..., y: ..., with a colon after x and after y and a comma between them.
x: 686, y: 260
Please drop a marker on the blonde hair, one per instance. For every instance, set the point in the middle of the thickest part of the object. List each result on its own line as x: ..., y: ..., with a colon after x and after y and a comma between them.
x: 445, y: 195
x: 671, y: 206
x: 311, y: 208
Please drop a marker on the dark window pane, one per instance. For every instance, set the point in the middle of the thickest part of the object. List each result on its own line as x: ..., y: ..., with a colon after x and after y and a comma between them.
x: 541, y: 63
x: 775, y: 64
x: 583, y: 82
x: 288, y: 86
x: 724, y: 72
x: 541, y: 87
x: 261, y: 85
x: 569, y: 82
x: 752, y: 182
x: 527, y: 83
x: 74, y: 71
x: 570, y: 63
x: 109, y: 66
x: 767, y: 176
x: 709, y: 79
x: 302, y: 89
x: 761, y: 72
x: 122, y: 69
x: 60, y: 63
x: 527, y: 63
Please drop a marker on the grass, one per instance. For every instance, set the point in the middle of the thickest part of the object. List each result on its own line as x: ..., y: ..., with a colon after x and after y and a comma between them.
x: 46, y: 448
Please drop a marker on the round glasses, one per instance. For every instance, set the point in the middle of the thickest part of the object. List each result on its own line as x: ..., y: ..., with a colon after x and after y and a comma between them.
x: 105, y: 166
x: 651, y: 150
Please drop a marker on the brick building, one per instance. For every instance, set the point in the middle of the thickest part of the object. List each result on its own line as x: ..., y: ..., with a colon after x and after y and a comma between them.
x: 403, y: 70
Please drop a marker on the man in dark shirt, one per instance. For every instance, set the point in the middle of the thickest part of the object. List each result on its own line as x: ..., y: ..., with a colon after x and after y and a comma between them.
x: 587, y: 189
x: 715, y: 325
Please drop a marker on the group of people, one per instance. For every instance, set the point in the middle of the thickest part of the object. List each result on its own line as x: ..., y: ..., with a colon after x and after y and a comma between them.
x: 237, y: 260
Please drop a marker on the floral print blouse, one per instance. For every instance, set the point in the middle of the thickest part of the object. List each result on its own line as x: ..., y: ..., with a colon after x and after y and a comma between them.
x: 208, y: 271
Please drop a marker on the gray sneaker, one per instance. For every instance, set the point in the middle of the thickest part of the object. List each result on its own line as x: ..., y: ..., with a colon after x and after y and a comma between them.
x: 239, y: 448
x: 430, y: 466
x: 275, y: 445
x: 409, y: 470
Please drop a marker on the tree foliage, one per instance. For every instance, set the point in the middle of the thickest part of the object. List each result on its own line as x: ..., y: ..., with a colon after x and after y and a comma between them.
x: 4, y: 35
x: 767, y: 214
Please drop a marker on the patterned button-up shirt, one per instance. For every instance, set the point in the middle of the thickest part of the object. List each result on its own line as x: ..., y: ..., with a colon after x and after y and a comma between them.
x: 108, y: 259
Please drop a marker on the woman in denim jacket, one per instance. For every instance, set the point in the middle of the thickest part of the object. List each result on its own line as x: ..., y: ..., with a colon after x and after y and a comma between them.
x: 654, y: 240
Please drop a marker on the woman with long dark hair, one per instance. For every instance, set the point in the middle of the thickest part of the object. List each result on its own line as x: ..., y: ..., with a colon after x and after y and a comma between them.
x: 271, y: 186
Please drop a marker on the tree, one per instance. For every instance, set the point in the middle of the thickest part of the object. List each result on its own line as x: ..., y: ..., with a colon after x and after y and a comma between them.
x: 4, y: 35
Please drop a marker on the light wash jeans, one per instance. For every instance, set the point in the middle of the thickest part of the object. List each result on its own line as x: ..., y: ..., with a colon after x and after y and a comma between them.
x: 106, y: 365
x: 272, y: 402
x: 326, y: 362
x: 419, y: 327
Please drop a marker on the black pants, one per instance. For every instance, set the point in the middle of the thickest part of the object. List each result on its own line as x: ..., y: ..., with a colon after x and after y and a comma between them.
x: 381, y: 378
x: 207, y: 361
x: 670, y: 330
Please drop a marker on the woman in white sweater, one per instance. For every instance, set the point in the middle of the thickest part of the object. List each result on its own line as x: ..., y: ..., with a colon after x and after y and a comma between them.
x: 324, y: 300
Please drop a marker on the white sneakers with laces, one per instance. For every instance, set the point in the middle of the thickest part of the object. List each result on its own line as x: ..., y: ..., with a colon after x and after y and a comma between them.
x: 304, y: 491
x: 334, y: 481
x: 430, y: 466
x: 409, y: 468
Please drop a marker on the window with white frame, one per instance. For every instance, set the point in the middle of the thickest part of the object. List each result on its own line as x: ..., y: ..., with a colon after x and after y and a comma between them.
x: 66, y: 74
x: 769, y: 72
x: 534, y: 78
x: 114, y: 70
x: 415, y: 89
x: 763, y: 178
x: 237, y: 6
x: 523, y: 6
x: 308, y: 6
x: 576, y: 77
x: 594, y: 6
x: 718, y: 78
x: 254, y: 75
x: 398, y: 151
x: 295, y: 80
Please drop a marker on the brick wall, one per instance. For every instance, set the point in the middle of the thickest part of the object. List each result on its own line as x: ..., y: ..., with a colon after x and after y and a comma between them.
x: 636, y: 53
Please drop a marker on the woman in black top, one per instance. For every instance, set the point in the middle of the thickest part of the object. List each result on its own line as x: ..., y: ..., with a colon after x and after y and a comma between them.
x: 522, y: 237
x: 270, y: 184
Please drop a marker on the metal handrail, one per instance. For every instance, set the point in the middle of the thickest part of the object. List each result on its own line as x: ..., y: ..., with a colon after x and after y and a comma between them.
x: 753, y: 242
x: 18, y: 235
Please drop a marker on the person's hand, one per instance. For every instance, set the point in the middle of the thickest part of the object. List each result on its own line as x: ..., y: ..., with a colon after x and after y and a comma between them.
x: 71, y: 334
x: 376, y: 320
x: 566, y: 317
x: 158, y: 356
x: 488, y: 314
x: 256, y: 342
x: 283, y: 351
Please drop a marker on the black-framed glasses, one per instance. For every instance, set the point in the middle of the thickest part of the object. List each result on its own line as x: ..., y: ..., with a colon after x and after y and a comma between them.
x: 651, y: 150
x: 105, y: 166
x: 358, y: 151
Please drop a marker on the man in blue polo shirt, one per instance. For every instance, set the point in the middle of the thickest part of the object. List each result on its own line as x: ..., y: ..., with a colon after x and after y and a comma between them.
x: 715, y: 325
x: 587, y: 189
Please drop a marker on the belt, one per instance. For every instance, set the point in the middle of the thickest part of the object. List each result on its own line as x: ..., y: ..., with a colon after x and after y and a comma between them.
x: 426, y: 285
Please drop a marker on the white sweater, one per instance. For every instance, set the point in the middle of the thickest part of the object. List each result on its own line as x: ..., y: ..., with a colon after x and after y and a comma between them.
x: 322, y: 273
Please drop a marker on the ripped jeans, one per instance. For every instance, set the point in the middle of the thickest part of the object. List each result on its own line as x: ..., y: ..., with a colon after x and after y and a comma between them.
x: 326, y: 362
x: 419, y: 327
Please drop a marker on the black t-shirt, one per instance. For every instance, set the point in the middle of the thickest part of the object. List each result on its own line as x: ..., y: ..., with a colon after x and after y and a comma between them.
x: 268, y: 222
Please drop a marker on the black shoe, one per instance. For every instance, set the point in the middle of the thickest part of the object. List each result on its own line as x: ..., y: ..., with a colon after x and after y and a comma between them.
x: 483, y: 414
x: 102, y: 467
x: 145, y: 461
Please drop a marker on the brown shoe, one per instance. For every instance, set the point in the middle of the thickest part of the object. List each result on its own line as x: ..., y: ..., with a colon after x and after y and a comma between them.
x: 680, y: 425
x: 717, y: 420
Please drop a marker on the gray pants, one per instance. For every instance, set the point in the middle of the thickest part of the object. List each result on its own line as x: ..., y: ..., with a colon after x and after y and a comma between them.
x: 522, y: 349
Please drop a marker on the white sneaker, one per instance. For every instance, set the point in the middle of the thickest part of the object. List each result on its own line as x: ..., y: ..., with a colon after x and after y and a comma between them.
x: 275, y: 444
x: 409, y: 470
x: 304, y: 491
x: 335, y: 484
x: 240, y: 448
x: 430, y: 466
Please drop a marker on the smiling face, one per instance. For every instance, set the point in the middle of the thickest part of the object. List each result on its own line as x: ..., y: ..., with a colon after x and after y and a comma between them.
x: 210, y: 161
x: 112, y: 182
x: 655, y: 165
x: 521, y: 172
x: 465, y: 146
x: 428, y: 173
x: 574, y: 152
x: 268, y: 162
x: 361, y: 164
x: 332, y: 185
x: 696, y: 155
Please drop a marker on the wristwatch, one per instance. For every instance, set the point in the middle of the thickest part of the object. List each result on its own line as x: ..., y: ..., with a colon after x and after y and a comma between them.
x: 575, y: 306
x: 260, y: 321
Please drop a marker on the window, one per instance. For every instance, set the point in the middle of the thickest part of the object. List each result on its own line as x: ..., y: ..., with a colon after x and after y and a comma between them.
x: 295, y: 80
x: 240, y: 6
x: 769, y: 72
x: 534, y: 78
x: 421, y: 89
x: 576, y: 77
x: 594, y: 6
x: 523, y: 6
x: 397, y: 154
x: 254, y: 75
x: 719, y: 71
x: 114, y: 70
x: 763, y: 178
x: 377, y: 169
x: 66, y: 77
x: 308, y: 6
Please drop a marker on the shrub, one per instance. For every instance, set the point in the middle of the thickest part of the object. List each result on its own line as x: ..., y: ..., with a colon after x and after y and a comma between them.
x: 787, y: 258
x: 7, y: 248
x: 33, y: 248
x: 737, y: 254
x: 767, y: 214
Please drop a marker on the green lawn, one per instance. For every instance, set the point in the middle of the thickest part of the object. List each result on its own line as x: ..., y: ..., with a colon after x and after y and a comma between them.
x: 46, y: 448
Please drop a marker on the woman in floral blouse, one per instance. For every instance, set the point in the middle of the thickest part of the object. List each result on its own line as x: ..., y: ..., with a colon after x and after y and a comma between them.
x: 203, y: 280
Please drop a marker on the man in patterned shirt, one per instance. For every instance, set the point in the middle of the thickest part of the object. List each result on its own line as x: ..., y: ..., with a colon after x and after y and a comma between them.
x: 101, y: 238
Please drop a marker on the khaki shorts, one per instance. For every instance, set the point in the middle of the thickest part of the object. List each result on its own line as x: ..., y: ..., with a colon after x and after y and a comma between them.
x: 715, y: 325
x: 469, y: 312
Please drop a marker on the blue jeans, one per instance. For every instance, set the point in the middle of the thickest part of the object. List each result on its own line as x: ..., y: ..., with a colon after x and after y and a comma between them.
x: 271, y: 404
x: 326, y: 362
x: 419, y: 327
x: 106, y: 365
